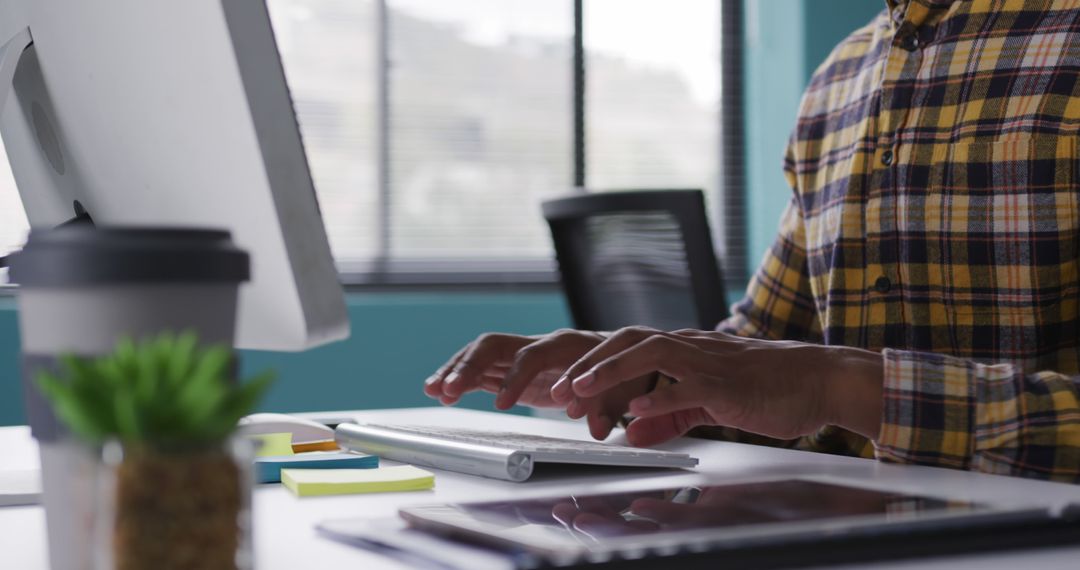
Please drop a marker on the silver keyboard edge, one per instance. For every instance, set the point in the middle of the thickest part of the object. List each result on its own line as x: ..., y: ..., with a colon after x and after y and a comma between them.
x: 497, y: 462
x: 468, y: 458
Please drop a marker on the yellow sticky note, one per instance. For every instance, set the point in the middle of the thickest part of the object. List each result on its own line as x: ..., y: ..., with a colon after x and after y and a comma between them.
x: 316, y: 482
x: 273, y: 444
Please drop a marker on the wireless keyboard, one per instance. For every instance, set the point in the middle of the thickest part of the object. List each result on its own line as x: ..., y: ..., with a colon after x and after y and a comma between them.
x: 510, y: 456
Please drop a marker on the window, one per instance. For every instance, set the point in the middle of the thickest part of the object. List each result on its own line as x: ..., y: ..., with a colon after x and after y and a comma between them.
x: 480, y: 119
x: 653, y: 107
x: 433, y: 164
x: 434, y: 128
x: 330, y: 62
x: 652, y: 94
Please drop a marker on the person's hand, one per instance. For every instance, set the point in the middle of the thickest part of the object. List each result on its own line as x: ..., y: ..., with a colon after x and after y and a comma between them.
x: 532, y: 362
x: 780, y: 389
x: 522, y: 370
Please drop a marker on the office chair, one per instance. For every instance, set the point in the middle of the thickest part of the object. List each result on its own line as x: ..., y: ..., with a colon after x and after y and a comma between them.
x: 637, y: 258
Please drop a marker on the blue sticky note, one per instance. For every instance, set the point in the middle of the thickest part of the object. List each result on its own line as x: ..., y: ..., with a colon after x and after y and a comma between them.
x: 268, y: 469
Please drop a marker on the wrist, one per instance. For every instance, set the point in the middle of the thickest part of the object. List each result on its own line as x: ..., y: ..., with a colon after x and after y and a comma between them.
x: 856, y: 391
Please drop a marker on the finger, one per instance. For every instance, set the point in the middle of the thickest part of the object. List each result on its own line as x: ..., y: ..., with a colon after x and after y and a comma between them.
x: 619, y: 341
x: 491, y: 382
x: 647, y: 432
x: 576, y: 410
x: 488, y: 350
x: 600, y: 426
x: 554, y: 351
x: 433, y: 386
x: 664, y: 354
x: 681, y: 396
x: 599, y: 422
x: 488, y: 383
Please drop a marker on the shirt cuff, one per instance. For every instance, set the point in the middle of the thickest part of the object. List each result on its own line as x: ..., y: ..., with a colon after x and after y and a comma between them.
x: 929, y: 409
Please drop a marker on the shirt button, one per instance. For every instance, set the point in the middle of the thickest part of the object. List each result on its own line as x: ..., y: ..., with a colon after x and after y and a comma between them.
x: 909, y: 41
x: 882, y: 285
x: 886, y: 157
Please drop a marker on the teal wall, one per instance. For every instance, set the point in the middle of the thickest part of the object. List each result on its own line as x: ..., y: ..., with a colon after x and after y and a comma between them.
x: 786, y: 40
x: 397, y: 340
x: 11, y: 408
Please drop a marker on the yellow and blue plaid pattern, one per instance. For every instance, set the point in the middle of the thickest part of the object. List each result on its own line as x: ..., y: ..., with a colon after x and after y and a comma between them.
x: 935, y: 218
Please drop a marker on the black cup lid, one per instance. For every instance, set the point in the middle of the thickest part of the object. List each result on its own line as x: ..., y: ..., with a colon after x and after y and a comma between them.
x: 85, y: 255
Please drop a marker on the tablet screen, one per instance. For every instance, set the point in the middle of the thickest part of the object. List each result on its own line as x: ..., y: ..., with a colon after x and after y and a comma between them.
x: 612, y: 516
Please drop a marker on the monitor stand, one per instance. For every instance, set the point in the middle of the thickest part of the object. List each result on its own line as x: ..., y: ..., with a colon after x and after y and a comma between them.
x: 10, y: 53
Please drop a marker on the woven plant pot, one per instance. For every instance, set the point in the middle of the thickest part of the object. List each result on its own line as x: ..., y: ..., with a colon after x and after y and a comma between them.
x: 176, y: 509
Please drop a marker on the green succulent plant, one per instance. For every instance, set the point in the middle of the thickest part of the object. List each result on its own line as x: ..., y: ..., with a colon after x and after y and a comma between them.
x: 165, y: 391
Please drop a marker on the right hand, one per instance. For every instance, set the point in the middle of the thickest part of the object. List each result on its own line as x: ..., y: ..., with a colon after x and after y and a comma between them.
x: 522, y: 370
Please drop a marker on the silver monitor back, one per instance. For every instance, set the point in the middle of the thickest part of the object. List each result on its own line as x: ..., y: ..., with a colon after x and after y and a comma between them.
x: 172, y: 113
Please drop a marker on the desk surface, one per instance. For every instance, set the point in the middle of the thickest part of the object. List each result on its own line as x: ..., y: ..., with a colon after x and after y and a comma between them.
x: 284, y: 525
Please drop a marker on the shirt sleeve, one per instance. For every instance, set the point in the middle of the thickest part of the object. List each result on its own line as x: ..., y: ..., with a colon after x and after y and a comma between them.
x: 950, y: 412
x: 778, y: 304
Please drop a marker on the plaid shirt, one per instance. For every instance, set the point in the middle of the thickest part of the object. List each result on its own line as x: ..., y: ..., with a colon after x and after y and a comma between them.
x: 934, y: 218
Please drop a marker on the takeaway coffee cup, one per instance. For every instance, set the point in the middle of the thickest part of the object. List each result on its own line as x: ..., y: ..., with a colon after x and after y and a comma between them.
x: 83, y: 288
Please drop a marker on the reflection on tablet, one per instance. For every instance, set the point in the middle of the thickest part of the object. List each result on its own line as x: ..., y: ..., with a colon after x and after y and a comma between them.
x: 771, y: 523
x: 597, y: 517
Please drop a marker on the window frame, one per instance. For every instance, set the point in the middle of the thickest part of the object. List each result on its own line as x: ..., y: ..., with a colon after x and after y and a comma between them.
x: 384, y: 271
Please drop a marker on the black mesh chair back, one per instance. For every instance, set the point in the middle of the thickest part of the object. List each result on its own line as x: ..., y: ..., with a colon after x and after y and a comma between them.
x: 637, y: 258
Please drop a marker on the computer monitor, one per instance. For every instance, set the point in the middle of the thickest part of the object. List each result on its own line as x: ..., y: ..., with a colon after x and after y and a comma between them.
x: 172, y: 113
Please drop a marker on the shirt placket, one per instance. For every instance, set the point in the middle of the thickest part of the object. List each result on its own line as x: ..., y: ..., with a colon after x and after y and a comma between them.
x: 884, y: 276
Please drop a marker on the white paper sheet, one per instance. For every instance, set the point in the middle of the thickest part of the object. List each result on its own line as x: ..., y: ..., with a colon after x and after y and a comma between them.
x: 20, y: 487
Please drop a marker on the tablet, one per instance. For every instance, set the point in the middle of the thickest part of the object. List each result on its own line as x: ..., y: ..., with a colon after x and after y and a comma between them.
x: 742, y: 517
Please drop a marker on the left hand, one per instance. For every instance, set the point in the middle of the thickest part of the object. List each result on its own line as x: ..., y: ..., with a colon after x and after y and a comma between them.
x: 780, y: 389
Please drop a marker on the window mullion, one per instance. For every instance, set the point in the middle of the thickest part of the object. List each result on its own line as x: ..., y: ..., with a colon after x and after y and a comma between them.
x: 579, y: 96
x: 383, y: 174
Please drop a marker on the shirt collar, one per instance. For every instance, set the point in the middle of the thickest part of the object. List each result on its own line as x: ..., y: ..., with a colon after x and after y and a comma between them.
x: 934, y: 4
x: 917, y: 12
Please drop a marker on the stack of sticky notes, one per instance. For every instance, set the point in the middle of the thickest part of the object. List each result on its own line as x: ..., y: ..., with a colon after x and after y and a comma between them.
x: 276, y: 452
x: 272, y: 444
x: 315, y: 473
x: 316, y: 482
x: 268, y: 469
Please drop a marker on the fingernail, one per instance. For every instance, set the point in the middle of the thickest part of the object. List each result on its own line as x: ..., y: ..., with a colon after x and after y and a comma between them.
x: 453, y: 377
x: 643, y: 403
x: 431, y: 380
x: 560, y: 386
x: 584, y: 380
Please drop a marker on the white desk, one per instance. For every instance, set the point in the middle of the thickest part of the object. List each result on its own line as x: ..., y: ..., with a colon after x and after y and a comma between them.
x: 284, y: 525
